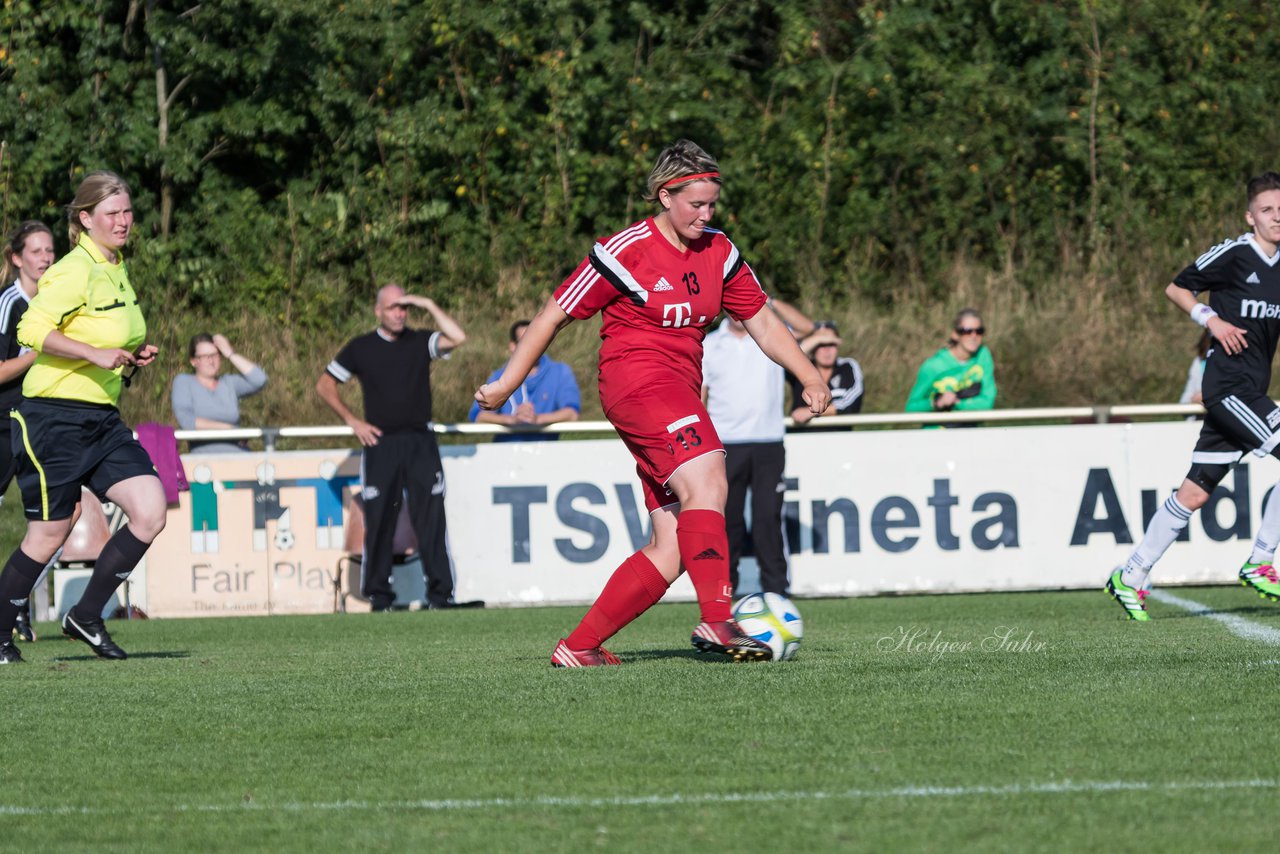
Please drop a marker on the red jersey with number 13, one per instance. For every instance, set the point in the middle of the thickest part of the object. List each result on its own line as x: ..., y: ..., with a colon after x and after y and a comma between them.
x: 656, y: 303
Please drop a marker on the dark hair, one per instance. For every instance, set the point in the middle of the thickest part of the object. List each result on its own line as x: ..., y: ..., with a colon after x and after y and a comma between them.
x: 198, y: 339
x: 826, y: 324
x: 1262, y: 183
x: 17, y: 244
x: 516, y: 327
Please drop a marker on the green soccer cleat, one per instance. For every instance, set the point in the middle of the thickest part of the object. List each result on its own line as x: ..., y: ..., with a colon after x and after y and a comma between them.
x: 1262, y: 578
x: 1132, y: 599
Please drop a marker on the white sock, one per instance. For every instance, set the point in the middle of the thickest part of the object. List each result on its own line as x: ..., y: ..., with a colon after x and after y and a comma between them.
x: 1170, y: 520
x: 1264, y: 547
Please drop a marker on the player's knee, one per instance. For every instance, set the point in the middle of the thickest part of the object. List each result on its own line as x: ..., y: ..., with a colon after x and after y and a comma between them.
x: 665, y: 557
x: 1206, y: 476
x: 147, y: 520
x: 706, y: 492
x: 147, y: 528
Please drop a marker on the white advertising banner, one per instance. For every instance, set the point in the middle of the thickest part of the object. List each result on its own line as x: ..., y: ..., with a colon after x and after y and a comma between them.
x: 893, y: 511
x: 901, y: 511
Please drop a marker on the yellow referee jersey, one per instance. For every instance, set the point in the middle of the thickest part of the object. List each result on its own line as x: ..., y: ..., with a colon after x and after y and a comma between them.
x: 87, y: 298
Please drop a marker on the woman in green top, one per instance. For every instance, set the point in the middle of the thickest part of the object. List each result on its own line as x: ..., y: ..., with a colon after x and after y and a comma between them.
x: 86, y: 325
x: 960, y: 376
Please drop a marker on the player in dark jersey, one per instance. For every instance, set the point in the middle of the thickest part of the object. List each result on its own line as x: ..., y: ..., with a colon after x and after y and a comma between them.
x: 28, y: 253
x: 87, y: 326
x: 658, y: 285
x: 1242, y: 277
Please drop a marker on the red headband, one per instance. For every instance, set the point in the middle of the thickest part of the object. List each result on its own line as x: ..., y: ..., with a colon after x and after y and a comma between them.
x: 687, y: 178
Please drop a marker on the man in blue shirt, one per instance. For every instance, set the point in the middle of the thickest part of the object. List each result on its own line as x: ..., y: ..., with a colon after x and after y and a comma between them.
x: 548, y: 395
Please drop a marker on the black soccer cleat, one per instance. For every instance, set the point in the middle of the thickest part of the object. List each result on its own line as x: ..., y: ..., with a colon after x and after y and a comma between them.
x: 94, y: 633
x: 728, y: 638
x: 9, y: 653
x: 22, y: 627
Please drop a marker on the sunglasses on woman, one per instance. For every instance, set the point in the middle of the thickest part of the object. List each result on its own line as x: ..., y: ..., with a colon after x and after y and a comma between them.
x: 976, y: 330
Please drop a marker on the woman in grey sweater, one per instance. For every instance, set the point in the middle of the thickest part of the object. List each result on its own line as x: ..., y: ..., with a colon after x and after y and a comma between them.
x: 205, y: 401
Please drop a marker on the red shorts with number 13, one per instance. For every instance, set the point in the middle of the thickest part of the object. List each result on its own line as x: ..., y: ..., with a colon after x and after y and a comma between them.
x: 664, y: 427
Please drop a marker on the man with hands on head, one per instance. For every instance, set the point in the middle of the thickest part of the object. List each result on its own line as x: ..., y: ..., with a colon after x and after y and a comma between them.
x: 401, y: 458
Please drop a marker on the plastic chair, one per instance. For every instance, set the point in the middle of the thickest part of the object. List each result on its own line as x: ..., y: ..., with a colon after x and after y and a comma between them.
x: 404, y: 545
x: 90, y: 534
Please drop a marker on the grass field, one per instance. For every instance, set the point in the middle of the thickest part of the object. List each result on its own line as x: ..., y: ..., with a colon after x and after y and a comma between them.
x: 1006, y: 722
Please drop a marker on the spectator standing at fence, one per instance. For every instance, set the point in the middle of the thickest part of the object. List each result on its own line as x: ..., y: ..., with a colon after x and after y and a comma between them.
x: 549, y: 395
x: 203, y: 400
x: 1242, y: 277
x: 27, y: 254
x: 743, y: 389
x: 658, y: 284
x: 843, y: 375
x: 401, y: 459
x: 87, y: 327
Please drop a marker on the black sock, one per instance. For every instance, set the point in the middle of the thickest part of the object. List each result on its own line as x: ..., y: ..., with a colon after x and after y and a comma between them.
x: 117, y: 559
x: 16, y: 580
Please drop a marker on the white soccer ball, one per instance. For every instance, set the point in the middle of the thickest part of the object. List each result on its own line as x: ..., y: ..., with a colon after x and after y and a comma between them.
x: 772, y: 619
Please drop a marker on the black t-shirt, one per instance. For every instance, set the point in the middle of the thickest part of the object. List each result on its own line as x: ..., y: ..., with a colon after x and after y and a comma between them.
x: 845, y: 384
x: 13, y: 304
x: 1244, y: 289
x: 394, y: 375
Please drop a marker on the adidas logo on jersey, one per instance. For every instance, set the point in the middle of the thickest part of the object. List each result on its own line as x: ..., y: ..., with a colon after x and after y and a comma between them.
x: 1253, y: 279
x: 708, y: 554
x: 663, y: 285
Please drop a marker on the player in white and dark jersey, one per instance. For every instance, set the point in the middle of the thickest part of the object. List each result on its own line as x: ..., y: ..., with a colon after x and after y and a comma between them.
x: 1242, y: 278
x: 658, y: 285
x: 27, y: 254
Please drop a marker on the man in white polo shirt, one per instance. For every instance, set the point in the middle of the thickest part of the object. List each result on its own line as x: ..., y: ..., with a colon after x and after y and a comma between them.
x: 744, y: 391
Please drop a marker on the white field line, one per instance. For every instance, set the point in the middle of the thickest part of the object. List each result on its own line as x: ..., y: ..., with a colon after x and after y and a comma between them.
x: 1064, y: 787
x: 1238, y: 626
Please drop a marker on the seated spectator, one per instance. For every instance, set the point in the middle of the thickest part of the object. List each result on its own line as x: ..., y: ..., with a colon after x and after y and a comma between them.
x: 960, y: 376
x: 205, y: 401
x: 548, y: 395
x: 1195, y: 374
x: 843, y: 375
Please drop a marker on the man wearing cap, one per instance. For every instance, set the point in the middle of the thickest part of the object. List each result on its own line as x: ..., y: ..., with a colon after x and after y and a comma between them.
x: 744, y: 393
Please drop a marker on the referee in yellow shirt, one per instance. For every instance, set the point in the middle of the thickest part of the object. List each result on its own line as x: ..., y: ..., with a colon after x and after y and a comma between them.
x: 87, y: 327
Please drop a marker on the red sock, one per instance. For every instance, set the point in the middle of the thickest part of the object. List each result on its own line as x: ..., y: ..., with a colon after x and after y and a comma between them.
x: 634, y: 588
x: 704, y: 551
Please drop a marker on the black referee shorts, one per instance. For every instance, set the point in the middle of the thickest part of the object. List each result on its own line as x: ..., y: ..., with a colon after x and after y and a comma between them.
x: 60, y: 445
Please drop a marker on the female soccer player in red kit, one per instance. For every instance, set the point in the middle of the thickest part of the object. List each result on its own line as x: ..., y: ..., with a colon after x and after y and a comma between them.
x: 658, y: 285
